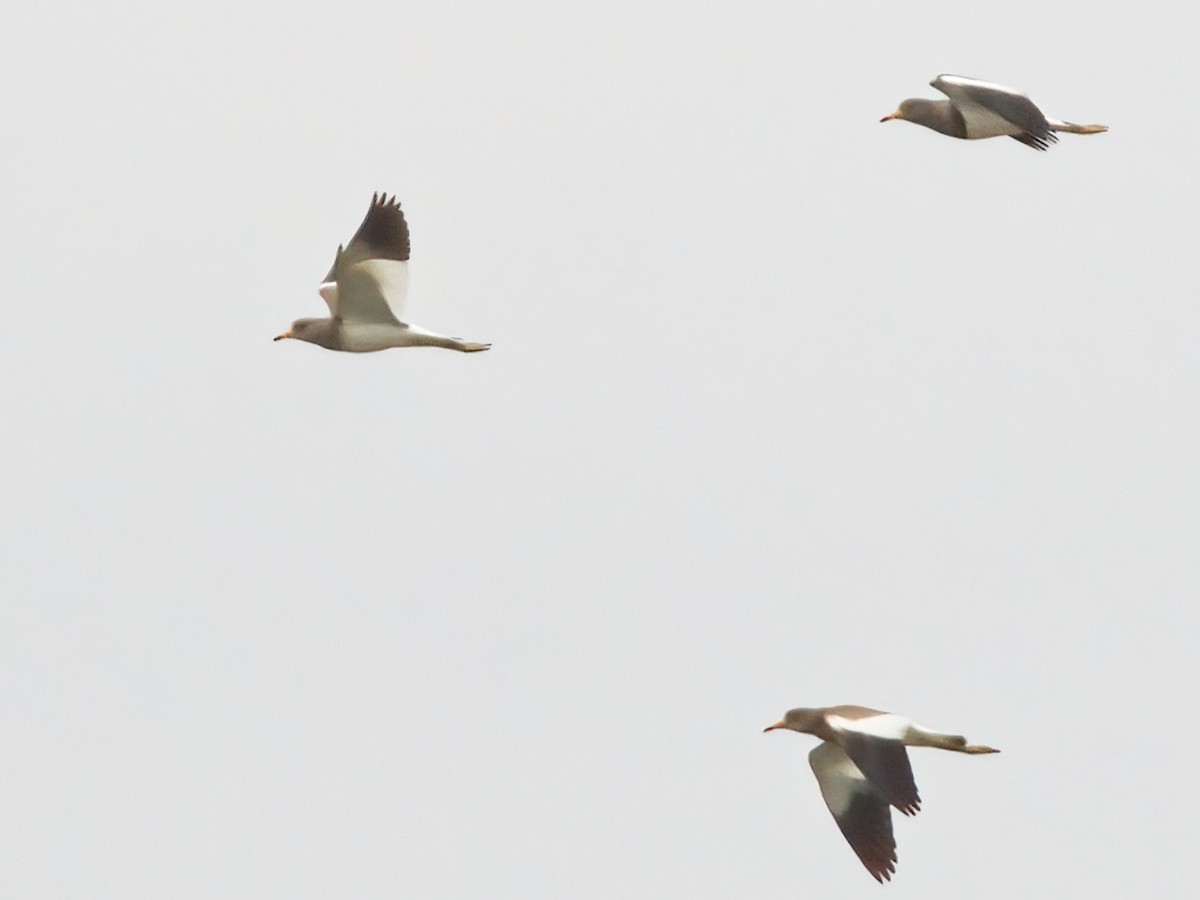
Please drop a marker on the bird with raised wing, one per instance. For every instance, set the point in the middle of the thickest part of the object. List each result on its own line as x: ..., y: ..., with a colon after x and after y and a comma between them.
x: 979, y: 109
x: 862, y: 768
x: 366, y: 290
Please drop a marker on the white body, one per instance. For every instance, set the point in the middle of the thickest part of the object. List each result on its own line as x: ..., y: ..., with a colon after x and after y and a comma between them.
x: 370, y: 298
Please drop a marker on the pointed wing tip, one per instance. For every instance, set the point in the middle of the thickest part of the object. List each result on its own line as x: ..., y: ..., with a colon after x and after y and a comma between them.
x: 382, y: 200
x: 383, y: 233
x: 881, y: 865
x: 882, y: 875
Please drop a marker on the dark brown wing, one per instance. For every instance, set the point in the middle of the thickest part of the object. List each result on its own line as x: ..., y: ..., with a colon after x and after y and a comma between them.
x: 885, y: 764
x: 858, y: 807
x: 1035, y: 141
x: 383, y: 234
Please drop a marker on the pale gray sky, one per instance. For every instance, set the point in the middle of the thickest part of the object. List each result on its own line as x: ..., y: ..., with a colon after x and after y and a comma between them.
x: 785, y: 407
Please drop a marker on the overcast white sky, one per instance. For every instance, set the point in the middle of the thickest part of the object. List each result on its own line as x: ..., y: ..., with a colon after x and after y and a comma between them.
x: 785, y: 407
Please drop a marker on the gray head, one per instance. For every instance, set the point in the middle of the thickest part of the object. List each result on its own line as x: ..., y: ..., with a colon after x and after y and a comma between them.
x: 802, y: 719
x: 315, y: 331
x: 907, y: 111
x: 940, y: 115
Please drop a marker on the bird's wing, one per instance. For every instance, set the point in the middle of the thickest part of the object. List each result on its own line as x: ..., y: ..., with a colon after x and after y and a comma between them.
x: 370, y: 276
x: 328, y: 287
x: 372, y: 291
x: 876, y: 745
x: 383, y: 233
x: 1011, y: 106
x: 858, y: 807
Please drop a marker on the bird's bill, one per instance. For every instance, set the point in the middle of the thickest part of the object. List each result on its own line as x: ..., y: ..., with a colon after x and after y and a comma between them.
x: 286, y: 334
x: 890, y: 116
x: 779, y: 724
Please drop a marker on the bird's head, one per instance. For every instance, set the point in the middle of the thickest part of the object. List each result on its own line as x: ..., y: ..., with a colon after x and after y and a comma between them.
x: 301, y: 330
x: 904, y: 111
x: 795, y: 720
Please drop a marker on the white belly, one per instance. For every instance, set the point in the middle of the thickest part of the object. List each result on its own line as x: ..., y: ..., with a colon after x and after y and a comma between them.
x: 366, y: 337
x: 360, y: 337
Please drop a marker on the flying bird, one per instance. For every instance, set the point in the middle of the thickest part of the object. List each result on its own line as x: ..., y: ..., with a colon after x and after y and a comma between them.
x: 862, y: 768
x: 979, y: 109
x: 366, y: 290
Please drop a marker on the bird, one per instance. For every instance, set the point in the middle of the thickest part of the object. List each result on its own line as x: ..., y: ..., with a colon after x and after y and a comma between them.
x: 862, y: 768
x: 980, y: 109
x: 366, y: 289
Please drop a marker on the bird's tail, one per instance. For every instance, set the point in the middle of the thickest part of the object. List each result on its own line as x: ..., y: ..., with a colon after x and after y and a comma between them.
x: 977, y: 748
x: 923, y: 737
x: 1072, y: 128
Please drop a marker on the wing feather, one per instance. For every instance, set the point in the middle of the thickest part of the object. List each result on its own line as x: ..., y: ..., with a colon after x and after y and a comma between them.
x: 373, y: 290
x: 383, y: 234
x: 368, y: 281
x: 884, y: 762
x: 1010, y: 105
x: 858, y: 807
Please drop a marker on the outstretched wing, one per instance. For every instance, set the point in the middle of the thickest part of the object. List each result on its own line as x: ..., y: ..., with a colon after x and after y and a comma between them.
x: 369, y: 279
x: 976, y: 99
x: 383, y: 234
x: 876, y: 745
x: 858, y: 807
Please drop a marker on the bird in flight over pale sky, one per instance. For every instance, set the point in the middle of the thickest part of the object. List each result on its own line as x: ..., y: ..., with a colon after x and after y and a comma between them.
x: 862, y: 768
x: 366, y: 291
x: 979, y: 109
